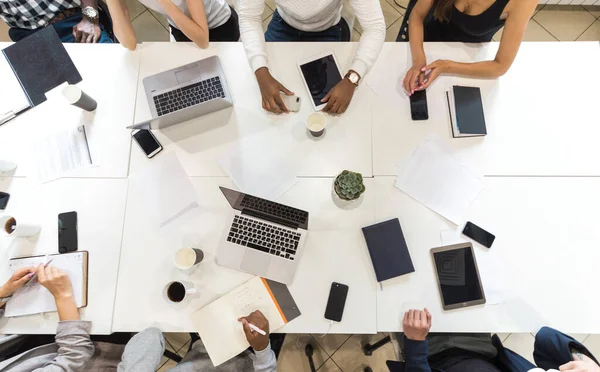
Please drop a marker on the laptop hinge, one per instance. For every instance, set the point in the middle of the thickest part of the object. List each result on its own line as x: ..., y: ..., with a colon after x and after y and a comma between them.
x: 269, y: 218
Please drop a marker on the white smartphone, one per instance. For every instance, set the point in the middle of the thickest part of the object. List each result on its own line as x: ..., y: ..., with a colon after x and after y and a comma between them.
x: 291, y: 102
x: 320, y: 74
x: 147, y: 142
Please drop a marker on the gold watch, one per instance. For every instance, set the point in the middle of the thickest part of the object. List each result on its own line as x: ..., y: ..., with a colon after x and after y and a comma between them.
x: 353, y: 76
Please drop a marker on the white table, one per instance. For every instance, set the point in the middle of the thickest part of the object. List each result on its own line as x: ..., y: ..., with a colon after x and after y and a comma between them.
x: 541, y: 121
x: 545, y: 250
x: 109, y: 75
x: 334, y: 251
x: 200, y: 142
x: 100, y: 206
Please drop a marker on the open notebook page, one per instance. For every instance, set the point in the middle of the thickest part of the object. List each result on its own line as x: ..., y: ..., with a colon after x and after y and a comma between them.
x: 34, y: 298
x: 12, y: 96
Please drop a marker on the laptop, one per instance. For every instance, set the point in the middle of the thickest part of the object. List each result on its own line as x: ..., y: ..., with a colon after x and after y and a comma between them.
x: 183, y: 93
x: 264, y: 238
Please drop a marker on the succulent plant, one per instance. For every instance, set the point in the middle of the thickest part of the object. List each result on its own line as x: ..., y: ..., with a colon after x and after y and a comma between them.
x: 349, y: 185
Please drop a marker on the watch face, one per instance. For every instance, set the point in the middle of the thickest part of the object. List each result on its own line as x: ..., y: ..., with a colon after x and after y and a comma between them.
x: 90, y: 12
x: 354, y: 78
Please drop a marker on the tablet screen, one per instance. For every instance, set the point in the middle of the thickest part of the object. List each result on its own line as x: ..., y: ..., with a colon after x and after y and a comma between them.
x: 458, y: 277
x: 320, y: 75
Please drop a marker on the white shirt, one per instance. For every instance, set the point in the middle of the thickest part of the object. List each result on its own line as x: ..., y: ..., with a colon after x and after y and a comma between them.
x: 314, y: 15
x: 217, y: 11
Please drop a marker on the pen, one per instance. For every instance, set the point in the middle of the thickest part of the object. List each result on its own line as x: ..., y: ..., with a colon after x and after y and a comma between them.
x: 48, y: 261
x: 256, y: 329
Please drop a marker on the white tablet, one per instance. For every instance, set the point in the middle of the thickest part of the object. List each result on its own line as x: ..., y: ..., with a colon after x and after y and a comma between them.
x: 320, y: 74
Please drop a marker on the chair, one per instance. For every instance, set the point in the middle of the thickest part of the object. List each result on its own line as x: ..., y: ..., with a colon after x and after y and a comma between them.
x: 309, y: 351
x: 403, y: 34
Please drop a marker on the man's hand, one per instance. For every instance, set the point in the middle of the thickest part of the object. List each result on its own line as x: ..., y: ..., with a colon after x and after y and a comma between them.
x: 433, y: 70
x: 256, y: 340
x: 585, y: 365
x: 416, y: 324
x: 269, y: 89
x: 339, y: 97
x: 16, y: 281
x: 56, y: 281
x: 87, y: 31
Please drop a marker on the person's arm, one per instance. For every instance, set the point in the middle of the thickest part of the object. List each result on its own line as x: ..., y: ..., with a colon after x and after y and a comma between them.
x: 195, y: 28
x: 18, y: 279
x: 415, y: 77
x: 122, y: 26
x: 264, y: 358
x: 416, y: 325
x: 88, y: 30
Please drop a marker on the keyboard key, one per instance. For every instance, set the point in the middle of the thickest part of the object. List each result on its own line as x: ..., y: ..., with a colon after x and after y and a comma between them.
x: 258, y: 247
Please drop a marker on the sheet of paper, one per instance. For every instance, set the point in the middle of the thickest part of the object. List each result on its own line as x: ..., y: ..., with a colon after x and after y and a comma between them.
x: 164, y: 191
x: 34, y: 298
x: 257, y: 172
x: 12, y: 96
x: 62, y: 153
x: 435, y: 178
x: 217, y: 325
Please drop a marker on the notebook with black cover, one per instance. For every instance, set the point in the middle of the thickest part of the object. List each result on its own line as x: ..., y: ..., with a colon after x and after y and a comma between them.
x: 388, y: 250
x: 41, y: 63
x: 466, y: 112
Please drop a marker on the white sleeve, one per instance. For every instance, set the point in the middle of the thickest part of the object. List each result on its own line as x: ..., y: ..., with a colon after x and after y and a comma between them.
x: 250, y: 18
x: 370, y: 17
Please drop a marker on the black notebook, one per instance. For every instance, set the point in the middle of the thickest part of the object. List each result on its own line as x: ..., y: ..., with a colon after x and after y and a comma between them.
x: 41, y: 63
x: 466, y: 112
x: 388, y: 250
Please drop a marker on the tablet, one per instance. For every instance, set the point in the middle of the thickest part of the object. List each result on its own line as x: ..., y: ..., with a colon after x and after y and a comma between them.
x: 458, y: 277
x: 319, y: 74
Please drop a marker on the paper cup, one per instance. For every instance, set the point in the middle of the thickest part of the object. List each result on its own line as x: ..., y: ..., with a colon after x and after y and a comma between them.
x: 316, y: 124
x: 186, y: 258
x: 176, y: 291
x: 79, y: 98
x: 10, y: 227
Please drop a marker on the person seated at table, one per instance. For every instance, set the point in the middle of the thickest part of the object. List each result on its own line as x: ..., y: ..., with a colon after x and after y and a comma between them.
x: 189, y: 20
x: 74, y: 21
x: 467, y: 21
x: 310, y: 20
x: 145, y: 350
x: 72, y: 348
x: 554, y: 351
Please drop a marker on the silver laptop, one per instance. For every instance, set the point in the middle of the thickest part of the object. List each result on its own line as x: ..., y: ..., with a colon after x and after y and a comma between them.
x: 186, y: 92
x: 264, y: 238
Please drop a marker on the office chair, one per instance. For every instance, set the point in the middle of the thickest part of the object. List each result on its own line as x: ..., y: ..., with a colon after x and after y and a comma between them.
x: 309, y: 351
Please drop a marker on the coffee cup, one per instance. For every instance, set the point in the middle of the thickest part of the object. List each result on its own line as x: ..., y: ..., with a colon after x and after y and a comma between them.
x: 23, y: 229
x: 186, y: 258
x: 316, y: 123
x: 177, y: 291
x: 79, y: 98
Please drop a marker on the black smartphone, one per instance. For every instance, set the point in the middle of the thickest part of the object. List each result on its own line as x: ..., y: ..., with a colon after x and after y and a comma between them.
x: 147, y: 142
x: 336, y: 302
x: 4, y: 197
x: 478, y: 234
x: 67, y: 232
x: 418, y: 105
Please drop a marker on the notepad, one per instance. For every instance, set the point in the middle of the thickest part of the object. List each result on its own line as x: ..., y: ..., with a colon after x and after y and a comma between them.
x: 466, y: 112
x: 217, y: 323
x: 34, y: 298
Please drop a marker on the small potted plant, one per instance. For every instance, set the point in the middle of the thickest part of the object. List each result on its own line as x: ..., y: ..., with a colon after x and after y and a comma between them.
x: 349, y: 185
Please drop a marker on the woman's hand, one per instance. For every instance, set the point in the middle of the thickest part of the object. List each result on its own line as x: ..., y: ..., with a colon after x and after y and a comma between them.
x: 56, y: 281
x: 415, y: 77
x: 433, y: 70
x: 16, y: 281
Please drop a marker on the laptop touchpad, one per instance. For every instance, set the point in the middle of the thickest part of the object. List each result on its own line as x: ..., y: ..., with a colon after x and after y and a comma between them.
x: 256, y: 262
x: 188, y: 74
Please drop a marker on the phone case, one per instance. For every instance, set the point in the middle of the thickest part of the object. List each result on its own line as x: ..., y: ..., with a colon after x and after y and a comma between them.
x: 291, y: 102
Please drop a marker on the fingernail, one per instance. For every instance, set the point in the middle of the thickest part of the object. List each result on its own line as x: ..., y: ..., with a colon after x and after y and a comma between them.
x: 30, y: 275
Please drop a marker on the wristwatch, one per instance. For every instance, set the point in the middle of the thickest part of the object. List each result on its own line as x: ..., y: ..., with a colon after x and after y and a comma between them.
x: 353, y: 76
x: 90, y: 12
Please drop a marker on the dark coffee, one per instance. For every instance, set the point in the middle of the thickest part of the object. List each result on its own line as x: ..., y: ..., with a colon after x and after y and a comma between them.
x: 10, y: 226
x: 176, y: 292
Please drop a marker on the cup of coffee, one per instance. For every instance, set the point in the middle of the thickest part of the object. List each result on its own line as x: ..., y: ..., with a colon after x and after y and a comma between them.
x: 23, y: 229
x: 177, y: 291
x: 316, y: 123
x: 79, y: 98
x: 186, y: 258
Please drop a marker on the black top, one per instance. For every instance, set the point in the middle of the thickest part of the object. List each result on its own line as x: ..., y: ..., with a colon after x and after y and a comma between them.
x: 466, y: 28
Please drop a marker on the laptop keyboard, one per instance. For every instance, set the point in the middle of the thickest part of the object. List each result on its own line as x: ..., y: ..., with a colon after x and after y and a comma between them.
x: 190, y: 95
x: 275, y: 209
x: 264, y: 237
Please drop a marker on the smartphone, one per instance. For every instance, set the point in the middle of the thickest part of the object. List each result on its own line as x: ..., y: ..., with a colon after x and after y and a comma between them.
x: 67, y: 232
x: 418, y: 105
x: 291, y: 102
x: 336, y: 302
x: 147, y: 142
x: 4, y: 197
x: 478, y: 234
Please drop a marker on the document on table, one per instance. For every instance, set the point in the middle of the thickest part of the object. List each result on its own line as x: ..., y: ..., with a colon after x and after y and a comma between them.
x: 62, y: 153
x: 12, y: 96
x: 165, y: 191
x: 435, y: 178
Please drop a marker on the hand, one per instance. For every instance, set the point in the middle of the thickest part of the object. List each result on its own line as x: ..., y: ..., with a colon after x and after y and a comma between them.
x: 56, y: 281
x: 87, y: 31
x: 339, y: 97
x: 416, y: 324
x: 16, y: 281
x: 415, y: 78
x: 256, y: 340
x: 585, y: 365
x: 269, y: 89
x: 433, y: 70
